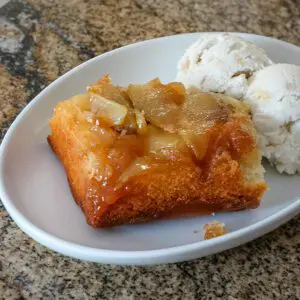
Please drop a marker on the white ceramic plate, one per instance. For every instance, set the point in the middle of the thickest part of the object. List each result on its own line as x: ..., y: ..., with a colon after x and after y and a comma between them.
x: 35, y: 192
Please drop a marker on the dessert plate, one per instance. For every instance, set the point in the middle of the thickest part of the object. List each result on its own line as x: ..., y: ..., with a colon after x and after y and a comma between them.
x: 35, y: 192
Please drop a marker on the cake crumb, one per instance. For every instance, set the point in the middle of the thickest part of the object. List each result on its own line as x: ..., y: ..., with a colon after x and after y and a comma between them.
x: 214, y: 229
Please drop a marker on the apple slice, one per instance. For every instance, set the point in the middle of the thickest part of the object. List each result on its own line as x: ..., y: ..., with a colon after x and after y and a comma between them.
x: 142, y: 127
x: 157, y: 102
x: 111, y: 112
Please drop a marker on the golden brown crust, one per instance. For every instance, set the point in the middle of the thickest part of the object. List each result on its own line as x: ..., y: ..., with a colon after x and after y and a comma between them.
x: 167, y: 190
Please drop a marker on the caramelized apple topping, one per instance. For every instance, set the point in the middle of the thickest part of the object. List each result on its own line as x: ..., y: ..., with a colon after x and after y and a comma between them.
x: 105, y: 89
x: 201, y: 111
x: 164, y: 144
x: 157, y: 102
x: 142, y: 127
x: 198, y: 143
x: 125, y: 150
x: 129, y: 126
x: 89, y: 116
x: 138, y: 166
x: 137, y: 127
x: 105, y: 135
x: 111, y: 112
x: 82, y: 101
x: 100, y: 170
x: 177, y: 90
x: 234, y: 105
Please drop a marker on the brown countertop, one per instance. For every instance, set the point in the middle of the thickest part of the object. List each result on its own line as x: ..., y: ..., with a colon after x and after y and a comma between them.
x: 42, y: 39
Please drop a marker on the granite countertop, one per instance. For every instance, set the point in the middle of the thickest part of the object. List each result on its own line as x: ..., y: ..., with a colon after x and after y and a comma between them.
x: 42, y: 39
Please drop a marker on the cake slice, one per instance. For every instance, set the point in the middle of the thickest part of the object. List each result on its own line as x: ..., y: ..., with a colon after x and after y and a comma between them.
x: 153, y: 151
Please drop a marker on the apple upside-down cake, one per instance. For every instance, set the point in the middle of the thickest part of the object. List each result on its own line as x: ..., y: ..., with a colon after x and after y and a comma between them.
x: 153, y: 151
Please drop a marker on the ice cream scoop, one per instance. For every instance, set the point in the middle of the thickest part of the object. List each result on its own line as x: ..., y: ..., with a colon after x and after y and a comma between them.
x: 221, y: 63
x: 274, y: 96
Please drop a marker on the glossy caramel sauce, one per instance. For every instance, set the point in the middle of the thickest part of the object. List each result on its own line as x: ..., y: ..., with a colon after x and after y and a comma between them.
x: 181, y: 125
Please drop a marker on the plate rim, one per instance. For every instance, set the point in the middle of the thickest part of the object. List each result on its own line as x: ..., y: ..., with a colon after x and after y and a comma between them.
x: 137, y: 257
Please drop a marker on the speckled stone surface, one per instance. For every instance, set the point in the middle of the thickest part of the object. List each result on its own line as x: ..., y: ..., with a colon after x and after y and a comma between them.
x: 40, y: 40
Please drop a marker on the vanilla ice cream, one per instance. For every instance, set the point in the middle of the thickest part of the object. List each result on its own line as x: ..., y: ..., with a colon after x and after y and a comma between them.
x: 274, y: 95
x: 221, y: 63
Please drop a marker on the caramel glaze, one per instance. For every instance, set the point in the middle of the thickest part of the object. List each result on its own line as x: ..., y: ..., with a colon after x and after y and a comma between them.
x: 223, y: 137
x: 119, y: 157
